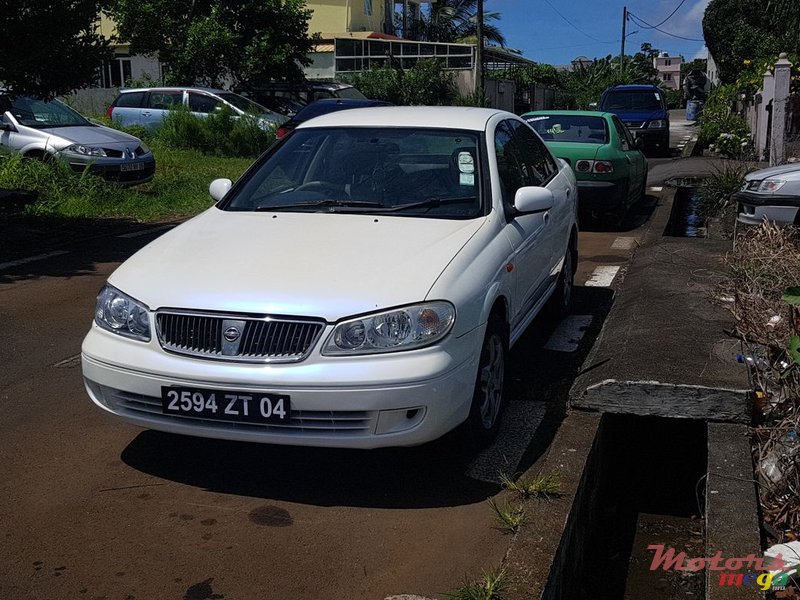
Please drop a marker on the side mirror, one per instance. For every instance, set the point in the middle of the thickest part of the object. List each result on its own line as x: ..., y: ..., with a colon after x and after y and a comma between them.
x: 533, y: 199
x: 593, y: 105
x: 218, y: 188
x: 638, y: 143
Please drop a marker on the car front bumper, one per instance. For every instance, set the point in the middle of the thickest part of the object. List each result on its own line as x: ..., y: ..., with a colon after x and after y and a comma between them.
x: 396, y: 399
x: 753, y: 207
x: 116, y: 170
x: 652, y: 139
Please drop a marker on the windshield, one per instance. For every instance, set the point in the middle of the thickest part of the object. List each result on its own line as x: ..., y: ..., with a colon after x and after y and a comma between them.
x: 400, y: 171
x: 350, y: 92
x: 569, y: 128
x: 41, y: 114
x: 627, y: 100
x: 244, y: 104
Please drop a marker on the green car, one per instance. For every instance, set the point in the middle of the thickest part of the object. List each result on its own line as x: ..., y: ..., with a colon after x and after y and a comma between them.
x: 610, y: 169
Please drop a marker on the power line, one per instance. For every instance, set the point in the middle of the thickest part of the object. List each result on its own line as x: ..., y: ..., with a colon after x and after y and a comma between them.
x: 573, y: 24
x: 642, y: 23
x: 669, y: 16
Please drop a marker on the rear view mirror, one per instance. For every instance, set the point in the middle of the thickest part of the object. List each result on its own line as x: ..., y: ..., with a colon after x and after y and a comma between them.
x: 593, y: 105
x: 219, y: 187
x: 533, y: 199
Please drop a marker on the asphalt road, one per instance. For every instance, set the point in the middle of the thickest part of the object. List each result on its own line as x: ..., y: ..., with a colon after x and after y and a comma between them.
x: 93, y: 508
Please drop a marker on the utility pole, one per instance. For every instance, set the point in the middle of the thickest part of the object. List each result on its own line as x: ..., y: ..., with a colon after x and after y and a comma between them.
x: 622, y: 49
x: 479, y: 53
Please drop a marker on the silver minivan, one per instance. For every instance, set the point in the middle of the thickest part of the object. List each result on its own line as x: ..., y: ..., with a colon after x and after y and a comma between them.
x: 147, y: 107
x: 48, y: 128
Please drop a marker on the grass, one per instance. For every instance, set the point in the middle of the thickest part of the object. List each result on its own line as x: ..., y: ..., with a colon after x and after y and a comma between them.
x: 509, y: 517
x: 544, y: 486
x: 179, y: 188
x: 489, y: 587
x: 715, y: 190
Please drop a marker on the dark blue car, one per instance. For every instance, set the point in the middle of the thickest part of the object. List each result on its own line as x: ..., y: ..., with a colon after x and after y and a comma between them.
x: 643, y: 108
x: 325, y: 106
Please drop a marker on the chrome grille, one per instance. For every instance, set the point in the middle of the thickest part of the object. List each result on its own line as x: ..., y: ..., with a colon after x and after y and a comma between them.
x: 238, y: 338
x: 307, y: 421
x: 634, y: 124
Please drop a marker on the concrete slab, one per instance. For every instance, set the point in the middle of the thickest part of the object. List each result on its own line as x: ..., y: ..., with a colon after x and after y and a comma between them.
x: 663, y: 350
x: 732, y: 525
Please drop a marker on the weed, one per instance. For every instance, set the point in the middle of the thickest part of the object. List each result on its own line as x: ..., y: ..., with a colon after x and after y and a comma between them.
x: 543, y: 486
x: 509, y: 517
x: 715, y: 191
x: 489, y: 587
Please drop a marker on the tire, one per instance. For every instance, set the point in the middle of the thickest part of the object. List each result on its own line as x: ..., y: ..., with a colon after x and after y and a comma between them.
x: 487, y: 399
x: 560, y: 303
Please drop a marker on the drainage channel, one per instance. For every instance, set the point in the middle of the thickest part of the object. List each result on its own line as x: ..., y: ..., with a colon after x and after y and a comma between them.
x: 685, y: 219
x: 648, y: 493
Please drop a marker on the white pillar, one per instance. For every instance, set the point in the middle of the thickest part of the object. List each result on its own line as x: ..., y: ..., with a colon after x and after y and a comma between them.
x: 782, y: 74
x: 767, y: 95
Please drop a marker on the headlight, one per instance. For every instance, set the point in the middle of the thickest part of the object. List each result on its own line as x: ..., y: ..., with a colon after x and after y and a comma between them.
x: 122, y: 314
x: 404, y: 328
x: 85, y: 150
x: 657, y: 124
x: 145, y: 148
x: 771, y: 185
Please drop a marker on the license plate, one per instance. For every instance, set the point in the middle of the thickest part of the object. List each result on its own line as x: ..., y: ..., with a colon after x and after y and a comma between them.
x: 223, y: 405
x: 126, y: 167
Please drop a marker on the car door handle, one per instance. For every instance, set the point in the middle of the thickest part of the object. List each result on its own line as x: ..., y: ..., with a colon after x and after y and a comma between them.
x: 146, y: 114
x: 547, y: 217
x: 628, y: 158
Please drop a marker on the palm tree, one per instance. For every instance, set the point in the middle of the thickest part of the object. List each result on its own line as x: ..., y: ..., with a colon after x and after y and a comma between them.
x: 456, y: 21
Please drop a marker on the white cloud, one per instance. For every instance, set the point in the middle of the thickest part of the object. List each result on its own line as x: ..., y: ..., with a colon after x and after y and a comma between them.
x: 702, y: 53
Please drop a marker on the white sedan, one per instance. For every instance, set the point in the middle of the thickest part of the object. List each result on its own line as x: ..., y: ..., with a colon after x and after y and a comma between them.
x: 359, y: 286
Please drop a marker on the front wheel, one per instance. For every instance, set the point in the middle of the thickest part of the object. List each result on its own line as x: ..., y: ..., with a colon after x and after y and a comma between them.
x: 560, y: 303
x: 487, y: 399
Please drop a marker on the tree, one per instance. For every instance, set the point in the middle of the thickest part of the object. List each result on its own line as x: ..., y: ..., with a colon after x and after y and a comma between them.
x: 456, y: 21
x: 746, y: 30
x: 218, y: 42
x: 50, y: 47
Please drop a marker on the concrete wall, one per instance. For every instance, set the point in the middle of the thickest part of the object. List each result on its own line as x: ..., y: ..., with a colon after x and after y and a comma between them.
x: 500, y: 93
x: 91, y: 101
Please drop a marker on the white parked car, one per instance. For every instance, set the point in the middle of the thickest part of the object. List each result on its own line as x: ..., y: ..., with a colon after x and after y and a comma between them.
x: 359, y: 286
x: 772, y: 194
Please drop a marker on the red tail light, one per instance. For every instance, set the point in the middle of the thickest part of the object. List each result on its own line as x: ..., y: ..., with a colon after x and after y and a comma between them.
x: 282, y: 131
x: 109, y: 112
x: 603, y: 166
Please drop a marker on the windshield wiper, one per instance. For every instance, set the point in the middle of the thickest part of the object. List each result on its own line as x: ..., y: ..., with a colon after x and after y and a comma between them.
x: 322, y: 204
x: 432, y: 203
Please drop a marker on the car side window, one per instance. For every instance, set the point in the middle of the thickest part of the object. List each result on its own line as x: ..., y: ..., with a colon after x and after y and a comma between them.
x: 130, y: 100
x: 508, y: 162
x: 624, y: 135
x: 165, y: 100
x: 537, y: 163
x: 202, y: 103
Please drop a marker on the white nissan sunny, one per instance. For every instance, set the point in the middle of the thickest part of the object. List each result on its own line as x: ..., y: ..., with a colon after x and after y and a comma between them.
x: 359, y: 286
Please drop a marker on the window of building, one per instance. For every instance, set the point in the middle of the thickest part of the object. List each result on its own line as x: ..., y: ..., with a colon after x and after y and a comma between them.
x: 115, y: 72
x: 358, y: 55
x: 368, y: 7
x: 667, y: 76
x: 668, y: 62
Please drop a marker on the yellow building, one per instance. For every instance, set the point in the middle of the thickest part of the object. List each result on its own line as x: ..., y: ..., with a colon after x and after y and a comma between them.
x: 332, y: 18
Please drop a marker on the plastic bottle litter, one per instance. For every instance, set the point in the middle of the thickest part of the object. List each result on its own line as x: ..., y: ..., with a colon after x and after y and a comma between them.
x: 756, y: 361
x: 780, y: 458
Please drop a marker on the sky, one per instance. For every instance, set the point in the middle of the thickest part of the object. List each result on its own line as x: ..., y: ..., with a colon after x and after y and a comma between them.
x: 594, y: 29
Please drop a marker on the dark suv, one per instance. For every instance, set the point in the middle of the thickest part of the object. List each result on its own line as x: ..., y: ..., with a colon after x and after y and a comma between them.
x: 273, y: 95
x: 643, y: 108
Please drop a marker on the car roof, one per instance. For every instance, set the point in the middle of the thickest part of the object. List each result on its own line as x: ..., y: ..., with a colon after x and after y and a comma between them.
x: 561, y: 113
x: 634, y: 87
x: 180, y: 88
x: 435, y: 117
x: 326, y: 105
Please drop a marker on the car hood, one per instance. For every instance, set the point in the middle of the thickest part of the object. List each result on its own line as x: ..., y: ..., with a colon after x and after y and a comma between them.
x: 792, y: 169
x: 92, y: 135
x: 306, y: 264
x: 639, y: 115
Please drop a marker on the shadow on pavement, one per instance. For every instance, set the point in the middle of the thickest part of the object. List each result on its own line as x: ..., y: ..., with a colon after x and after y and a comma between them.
x: 422, y: 477
x: 637, y: 215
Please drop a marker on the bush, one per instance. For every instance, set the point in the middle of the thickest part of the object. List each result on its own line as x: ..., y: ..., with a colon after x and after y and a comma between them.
x: 715, y: 191
x: 425, y: 84
x: 222, y: 134
x: 718, y: 123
